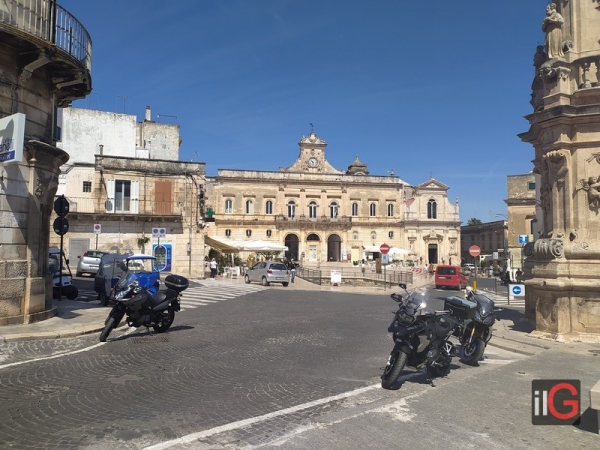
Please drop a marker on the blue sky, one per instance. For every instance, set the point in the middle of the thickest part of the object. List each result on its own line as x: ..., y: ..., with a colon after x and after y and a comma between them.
x: 424, y: 88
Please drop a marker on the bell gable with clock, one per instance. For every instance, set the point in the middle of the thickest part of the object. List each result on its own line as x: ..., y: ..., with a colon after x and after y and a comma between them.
x: 312, y: 157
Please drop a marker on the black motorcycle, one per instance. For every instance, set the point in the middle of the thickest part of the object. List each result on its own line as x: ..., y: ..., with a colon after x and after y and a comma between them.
x: 141, y: 308
x: 421, y: 335
x: 475, y: 334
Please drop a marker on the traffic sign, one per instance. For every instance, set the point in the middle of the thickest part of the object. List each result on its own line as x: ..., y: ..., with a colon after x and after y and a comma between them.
x: 523, y: 239
x: 159, y: 232
x: 97, y: 228
x: 61, y: 226
x: 474, y: 250
x: 384, y: 249
x: 61, y: 206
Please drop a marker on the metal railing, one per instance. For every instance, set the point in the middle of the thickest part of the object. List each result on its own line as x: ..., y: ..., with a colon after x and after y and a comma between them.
x: 354, y: 275
x: 51, y: 22
x: 123, y: 206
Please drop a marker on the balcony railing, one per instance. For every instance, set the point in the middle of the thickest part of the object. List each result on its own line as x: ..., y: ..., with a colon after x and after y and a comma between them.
x: 57, y: 26
x: 84, y: 205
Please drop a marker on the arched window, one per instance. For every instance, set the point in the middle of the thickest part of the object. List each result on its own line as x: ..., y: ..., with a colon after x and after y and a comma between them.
x: 333, y: 210
x: 372, y: 210
x: 249, y: 207
x: 269, y: 232
x: 390, y: 210
x: 355, y: 235
x: 248, y: 233
x: 227, y: 232
x: 391, y: 234
x: 373, y: 235
x: 354, y: 209
x: 228, y: 206
x: 431, y: 209
x: 269, y: 207
x: 312, y: 210
x: 291, y: 209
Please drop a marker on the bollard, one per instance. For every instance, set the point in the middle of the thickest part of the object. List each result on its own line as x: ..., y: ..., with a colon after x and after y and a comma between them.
x: 474, y: 285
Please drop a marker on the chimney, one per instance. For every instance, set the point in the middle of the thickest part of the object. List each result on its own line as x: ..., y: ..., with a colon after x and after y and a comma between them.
x: 148, y: 114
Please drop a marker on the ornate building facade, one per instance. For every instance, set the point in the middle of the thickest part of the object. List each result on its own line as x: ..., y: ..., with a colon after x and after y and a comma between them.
x: 325, y: 214
x: 562, y: 265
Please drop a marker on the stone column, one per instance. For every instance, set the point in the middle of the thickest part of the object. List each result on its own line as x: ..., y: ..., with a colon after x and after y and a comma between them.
x: 26, y: 294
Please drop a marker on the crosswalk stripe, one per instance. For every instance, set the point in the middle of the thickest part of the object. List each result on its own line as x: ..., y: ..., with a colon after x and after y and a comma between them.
x: 209, y: 292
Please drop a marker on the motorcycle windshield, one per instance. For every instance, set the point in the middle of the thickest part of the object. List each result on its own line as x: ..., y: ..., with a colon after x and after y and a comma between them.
x: 417, y: 301
x: 125, y: 280
x: 484, y: 304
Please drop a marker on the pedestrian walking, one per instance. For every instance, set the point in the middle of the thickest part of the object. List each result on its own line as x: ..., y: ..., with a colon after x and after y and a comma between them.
x: 292, y: 267
x: 213, y: 269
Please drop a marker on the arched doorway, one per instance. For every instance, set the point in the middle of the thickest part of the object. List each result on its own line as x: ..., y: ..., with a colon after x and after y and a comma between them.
x: 291, y: 242
x: 312, y: 242
x: 433, y: 254
x: 334, y: 248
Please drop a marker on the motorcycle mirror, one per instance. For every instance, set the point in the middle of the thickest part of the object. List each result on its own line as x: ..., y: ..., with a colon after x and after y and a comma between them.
x: 402, y: 285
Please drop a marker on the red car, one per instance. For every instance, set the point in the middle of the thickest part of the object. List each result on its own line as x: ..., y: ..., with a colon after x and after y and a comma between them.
x: 450, y: 276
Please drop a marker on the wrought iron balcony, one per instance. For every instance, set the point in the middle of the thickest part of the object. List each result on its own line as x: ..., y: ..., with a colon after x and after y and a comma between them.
x: 56, y: 26
x: 46, y: 34
x: 123, y: 207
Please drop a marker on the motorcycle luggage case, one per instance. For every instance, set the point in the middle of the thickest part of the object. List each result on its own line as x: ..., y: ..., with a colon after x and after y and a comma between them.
x: 460, y: 307
x: 177, y: 283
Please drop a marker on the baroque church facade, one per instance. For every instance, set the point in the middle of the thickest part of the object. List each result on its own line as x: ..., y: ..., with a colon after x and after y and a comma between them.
x: 323, y: 214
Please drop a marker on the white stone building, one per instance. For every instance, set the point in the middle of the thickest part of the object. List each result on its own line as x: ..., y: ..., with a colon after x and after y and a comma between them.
x: 325, y: 214
x: 123, y: 180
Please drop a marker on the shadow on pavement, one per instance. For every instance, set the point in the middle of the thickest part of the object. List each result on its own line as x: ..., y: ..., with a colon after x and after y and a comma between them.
x: 519, y: 322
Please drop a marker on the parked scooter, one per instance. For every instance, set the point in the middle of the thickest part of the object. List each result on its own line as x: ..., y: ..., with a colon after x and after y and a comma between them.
x: 475, y: 334
x: 64, y: 278
x: 140, y: 307
x: 421, y: 336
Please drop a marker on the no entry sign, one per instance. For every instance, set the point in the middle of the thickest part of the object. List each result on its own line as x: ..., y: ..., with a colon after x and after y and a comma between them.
x: 474, y: 250
x: 384, y: 249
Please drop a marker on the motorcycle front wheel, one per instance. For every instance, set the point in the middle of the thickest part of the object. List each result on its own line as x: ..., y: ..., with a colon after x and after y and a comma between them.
x: 110, y: 324
x: 471, y: 353
x: 394, y: 368
x: 166, y: 320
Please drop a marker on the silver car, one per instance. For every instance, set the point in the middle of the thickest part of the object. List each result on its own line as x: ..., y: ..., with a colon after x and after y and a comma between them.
x: 268, y: 272
x: 89, y: 262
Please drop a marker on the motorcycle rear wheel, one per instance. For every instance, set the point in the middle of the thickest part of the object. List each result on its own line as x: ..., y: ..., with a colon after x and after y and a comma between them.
x: 165, y: 322
x: 471, y: 353
x: 393, y: 369
x: 110, y: 324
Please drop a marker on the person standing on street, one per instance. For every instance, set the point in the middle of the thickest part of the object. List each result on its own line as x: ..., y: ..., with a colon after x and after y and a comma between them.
x: 292, y: 267
x: 213, y: 269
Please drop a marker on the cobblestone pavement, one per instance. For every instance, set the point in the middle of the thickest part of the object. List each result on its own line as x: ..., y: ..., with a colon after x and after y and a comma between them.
x: 243, y: 371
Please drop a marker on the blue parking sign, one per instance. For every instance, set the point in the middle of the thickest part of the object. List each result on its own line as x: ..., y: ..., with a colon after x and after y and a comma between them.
x: 523, y: 239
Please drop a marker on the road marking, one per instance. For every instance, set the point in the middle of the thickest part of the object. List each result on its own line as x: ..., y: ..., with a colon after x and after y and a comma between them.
x: 252, y: 420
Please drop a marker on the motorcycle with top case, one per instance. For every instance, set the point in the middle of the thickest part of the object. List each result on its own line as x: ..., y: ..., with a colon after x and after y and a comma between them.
x: 422, y: 336
x: 142, y: 308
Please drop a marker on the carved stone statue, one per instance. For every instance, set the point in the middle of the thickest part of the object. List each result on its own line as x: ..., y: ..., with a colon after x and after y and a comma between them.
x: 552, y: 26
x: 592, y: 187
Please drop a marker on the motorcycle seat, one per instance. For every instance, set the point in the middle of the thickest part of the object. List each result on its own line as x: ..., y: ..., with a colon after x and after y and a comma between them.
x: 162, y: 296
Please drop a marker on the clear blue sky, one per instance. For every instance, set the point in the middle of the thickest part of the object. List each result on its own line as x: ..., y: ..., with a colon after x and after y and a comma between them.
x: 426, y: 88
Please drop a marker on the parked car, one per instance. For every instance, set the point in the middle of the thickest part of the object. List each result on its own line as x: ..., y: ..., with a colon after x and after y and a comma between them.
x: 267, y: 272
x: 450, y: 276
x: 89, y: 262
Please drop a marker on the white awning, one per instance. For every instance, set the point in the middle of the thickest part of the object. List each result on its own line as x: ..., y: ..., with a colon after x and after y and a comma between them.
x: 392, y: 251
x: 221, y: 244
x: 236, y: 245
